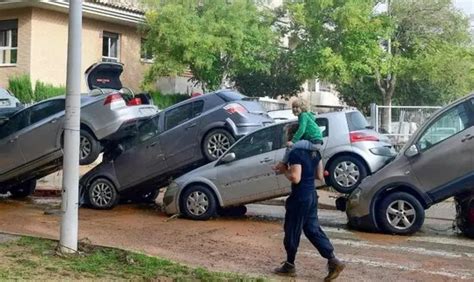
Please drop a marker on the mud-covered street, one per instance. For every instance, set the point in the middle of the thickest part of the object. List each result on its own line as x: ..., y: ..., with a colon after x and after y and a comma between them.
x: 253, y: 244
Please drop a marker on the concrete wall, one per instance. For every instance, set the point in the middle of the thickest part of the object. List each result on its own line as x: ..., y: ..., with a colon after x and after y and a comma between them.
x: 49, y: 48
x: 24, y: 46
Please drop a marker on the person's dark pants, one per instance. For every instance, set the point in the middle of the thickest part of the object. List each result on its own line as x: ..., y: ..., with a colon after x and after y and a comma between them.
x: 302, y: 215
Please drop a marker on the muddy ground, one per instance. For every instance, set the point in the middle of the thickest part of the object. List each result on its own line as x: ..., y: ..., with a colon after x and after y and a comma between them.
x: 251, y: 244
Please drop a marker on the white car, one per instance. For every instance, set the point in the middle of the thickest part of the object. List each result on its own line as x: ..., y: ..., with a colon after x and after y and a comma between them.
x: 8, y: 103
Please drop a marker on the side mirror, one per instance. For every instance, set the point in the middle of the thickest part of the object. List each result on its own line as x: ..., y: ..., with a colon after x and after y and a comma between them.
x: 412, y: 151
x: 228, y: 158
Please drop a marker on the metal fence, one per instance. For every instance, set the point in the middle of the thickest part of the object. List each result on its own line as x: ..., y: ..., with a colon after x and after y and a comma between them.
x: 405, y: 120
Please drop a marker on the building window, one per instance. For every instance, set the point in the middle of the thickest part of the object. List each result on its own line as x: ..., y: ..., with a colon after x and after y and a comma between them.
x: 8, y: 42
x: 110, y: 47
x: 145, y: 53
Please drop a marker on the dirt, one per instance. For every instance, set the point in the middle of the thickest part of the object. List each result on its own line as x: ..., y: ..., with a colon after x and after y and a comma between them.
x: 244, y: 245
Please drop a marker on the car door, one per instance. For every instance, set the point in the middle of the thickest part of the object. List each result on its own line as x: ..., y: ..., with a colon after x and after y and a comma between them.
x: 142, y: 158
x: 180, y: 139
x: 10, y: 150
x: 41, y: 136
x: 250, y: 176
x: 445, y: 153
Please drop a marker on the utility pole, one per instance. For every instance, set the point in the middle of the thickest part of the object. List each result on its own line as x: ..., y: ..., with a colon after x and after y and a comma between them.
x: 70, y: 189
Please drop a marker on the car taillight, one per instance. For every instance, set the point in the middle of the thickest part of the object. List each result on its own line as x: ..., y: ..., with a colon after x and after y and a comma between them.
x: 235, y: 108
x: 113, y: 98
x: 134, y: 102
x: 359, y: 136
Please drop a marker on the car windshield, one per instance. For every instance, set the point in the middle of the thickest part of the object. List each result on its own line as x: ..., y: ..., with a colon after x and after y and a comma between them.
x: 356, y: 121
x: 230, y: 96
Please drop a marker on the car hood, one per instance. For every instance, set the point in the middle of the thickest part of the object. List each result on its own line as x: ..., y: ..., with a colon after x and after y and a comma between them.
x: 104, y: 75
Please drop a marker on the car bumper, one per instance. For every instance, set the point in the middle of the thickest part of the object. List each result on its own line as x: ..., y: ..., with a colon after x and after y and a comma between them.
x: 358, y: 212
x: 171, y: 199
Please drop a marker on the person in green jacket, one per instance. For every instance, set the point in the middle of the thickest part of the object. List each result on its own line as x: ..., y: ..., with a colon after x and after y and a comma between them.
x: 308, y: 136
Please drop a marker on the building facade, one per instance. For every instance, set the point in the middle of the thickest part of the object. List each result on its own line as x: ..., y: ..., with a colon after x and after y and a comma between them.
x: 34, y: 40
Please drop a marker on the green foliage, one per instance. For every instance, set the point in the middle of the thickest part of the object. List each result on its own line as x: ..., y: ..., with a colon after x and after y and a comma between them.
x: 44, y: 91
x: 20, y: 86
x: 164, y: 101
x: 416, y: 53
x: 214, y: 39
x: 283, y: 80
x: 31, y: 258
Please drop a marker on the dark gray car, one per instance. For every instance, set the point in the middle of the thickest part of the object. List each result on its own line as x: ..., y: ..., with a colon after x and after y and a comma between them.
x: 171, y: 143
x: 435, y: 164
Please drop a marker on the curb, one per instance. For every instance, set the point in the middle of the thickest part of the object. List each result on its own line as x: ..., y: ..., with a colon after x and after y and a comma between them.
x: 281, y: 202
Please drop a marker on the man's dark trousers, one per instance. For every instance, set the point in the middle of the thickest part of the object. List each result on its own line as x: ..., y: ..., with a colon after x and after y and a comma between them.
x: 301, y: 215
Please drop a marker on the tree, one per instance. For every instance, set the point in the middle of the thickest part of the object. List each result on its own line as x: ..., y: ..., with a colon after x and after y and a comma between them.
x: 349, y: 43
x: 283, y: 80
x: 214, y: 39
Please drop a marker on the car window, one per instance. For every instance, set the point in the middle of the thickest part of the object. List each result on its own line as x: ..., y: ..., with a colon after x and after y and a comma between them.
x: 16, y: 123
x: 46, y: 109
x: 356, y: 121
x: 148, y: 129
x: 260, y: 142
x: 178, y: 116
x: 197, y: 108
x: 448, y: 124
x: 323, y: 124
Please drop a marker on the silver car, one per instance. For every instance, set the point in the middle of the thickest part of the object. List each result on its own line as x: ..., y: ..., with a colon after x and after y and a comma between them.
x: 31, y: 139
x: 435, y: 164
x: 244, y: 175
x: 8, y: 103
x: 351, y: 149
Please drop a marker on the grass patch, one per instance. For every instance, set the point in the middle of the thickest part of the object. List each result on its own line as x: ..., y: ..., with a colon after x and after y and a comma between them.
x: 32, y: 258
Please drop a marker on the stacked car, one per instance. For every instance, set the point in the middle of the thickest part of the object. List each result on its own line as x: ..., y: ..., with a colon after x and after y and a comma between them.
x: 31, y: 139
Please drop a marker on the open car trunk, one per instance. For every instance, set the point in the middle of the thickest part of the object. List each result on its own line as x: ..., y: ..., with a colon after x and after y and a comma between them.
x: 104, y: 75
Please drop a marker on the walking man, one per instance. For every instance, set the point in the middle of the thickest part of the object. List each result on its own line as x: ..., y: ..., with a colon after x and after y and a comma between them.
x: 301, y: 214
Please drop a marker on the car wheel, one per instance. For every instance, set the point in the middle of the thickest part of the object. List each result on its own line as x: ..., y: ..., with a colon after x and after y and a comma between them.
x: 89, y: 148
x: 400, y: 213
x: 24, y: 189
x: 216, y: 143
x: 102, y: 194
x: 198, y: 203
x: 233, y: 211
x: 346, y: 173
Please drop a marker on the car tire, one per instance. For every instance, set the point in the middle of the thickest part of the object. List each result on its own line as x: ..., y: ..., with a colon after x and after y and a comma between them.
x: 102, y: 194
x: 346, y: 173
x: 237, y: 211
x: 90, y: 148
x: 24, y: 189
x: 216, y: 142
x: 198, y: 203
x: 400, y: 213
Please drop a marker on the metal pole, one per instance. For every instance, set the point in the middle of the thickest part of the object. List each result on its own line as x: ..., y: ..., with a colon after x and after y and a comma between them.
x: 70, y: 189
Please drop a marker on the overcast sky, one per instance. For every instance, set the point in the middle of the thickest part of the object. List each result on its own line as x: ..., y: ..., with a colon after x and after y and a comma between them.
x: 466, y: 5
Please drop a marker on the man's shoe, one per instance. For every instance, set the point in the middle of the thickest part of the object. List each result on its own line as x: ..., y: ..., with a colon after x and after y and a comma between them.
x: 287, y: 269
x: 335, y: 267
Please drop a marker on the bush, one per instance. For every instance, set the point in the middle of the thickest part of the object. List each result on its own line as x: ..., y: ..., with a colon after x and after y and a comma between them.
x: 20, y: 86
x: 164, y: 101
x: 44, y: 91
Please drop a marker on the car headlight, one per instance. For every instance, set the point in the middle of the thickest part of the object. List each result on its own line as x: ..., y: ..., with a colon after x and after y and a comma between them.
x: 382, y: 151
